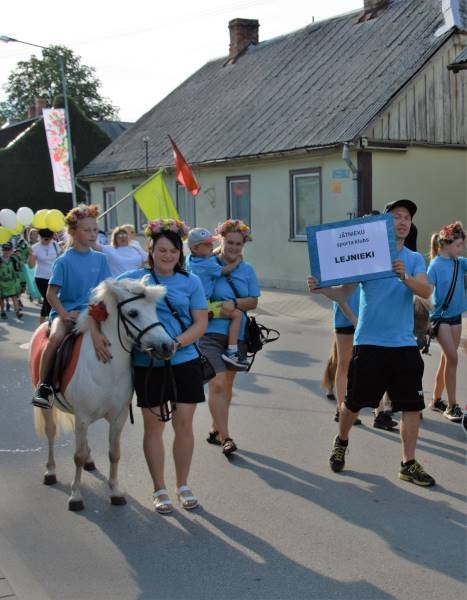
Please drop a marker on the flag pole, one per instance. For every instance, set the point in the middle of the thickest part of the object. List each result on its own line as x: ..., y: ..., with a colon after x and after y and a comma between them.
x: 128, y: 195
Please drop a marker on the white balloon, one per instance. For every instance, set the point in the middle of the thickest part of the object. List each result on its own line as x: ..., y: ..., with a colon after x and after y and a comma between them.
x: 25, y: 215
x: 8, y: 218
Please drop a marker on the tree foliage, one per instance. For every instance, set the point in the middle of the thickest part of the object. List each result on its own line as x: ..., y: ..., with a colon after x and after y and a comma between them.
x: 42, y: 78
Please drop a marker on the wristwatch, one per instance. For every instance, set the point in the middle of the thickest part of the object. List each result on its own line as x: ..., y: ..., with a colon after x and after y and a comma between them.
x: 178, y: 344
x: 406, y: 276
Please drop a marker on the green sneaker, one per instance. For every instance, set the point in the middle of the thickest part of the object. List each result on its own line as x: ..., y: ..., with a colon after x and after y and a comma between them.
x: 337, y: 458
x: 415, y: 474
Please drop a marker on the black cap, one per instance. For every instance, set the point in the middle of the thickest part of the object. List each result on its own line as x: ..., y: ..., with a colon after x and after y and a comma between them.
x: 46, y: 233
x: 7, y: 246
x: 408, y: 204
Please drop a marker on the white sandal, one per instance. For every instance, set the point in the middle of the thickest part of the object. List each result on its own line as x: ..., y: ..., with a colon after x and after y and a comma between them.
x: 163, y: 507
x: 189, y: 501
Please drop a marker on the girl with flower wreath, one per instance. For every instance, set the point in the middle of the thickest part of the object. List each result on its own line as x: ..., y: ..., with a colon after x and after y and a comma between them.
x: 243, y: 294
x: 159, y: 385
x: 74, y: 274
x: 446, y: 247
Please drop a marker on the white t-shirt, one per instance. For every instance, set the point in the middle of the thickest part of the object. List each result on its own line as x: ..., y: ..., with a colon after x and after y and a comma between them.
x: 123, y: 258
x: 45, y: 255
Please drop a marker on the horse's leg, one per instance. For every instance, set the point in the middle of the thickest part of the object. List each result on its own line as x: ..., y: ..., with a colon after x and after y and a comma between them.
x: 49, y: 416
x: 89, y: 464
x: 75, y: 501
x: 115, y: 429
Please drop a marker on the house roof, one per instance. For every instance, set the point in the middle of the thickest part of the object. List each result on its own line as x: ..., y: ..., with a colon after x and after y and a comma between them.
x: 315, y: 87
x: 10, y: 132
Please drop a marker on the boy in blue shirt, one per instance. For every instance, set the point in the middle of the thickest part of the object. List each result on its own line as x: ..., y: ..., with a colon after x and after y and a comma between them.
x: 386, y: 356
x: 203, y: 263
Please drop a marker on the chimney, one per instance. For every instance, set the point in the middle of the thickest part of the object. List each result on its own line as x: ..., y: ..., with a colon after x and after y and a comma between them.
x: 242, y: 33
x: 39, y: 104
x: 372, y: 9
x: 374, y: 5
x: 36, y: 109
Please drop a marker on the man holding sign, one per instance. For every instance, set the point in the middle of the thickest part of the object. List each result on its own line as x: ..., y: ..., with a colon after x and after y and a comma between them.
x: 385, y: 356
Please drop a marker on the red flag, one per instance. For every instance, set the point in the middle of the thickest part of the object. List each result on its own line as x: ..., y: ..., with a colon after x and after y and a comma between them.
x: 183, y: 172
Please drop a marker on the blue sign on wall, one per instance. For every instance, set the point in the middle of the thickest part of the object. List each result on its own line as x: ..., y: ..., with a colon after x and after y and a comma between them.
x: 340, y: 173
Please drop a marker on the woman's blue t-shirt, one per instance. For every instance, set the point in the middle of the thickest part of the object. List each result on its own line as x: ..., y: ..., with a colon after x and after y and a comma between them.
x: 339, y: 318
x: 440, y: 272
x: 185, y: 293
x: 247, y: 286
x: 386, y: 316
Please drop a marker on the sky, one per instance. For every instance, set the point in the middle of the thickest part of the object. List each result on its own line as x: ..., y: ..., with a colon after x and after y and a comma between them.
x: 141, y: 56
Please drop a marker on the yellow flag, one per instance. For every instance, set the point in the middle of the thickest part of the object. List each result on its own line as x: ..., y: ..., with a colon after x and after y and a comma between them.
x: 154, y: 199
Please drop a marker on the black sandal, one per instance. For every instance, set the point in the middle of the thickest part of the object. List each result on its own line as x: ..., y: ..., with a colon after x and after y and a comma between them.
x: 213, y: 439
x: 228, y: 446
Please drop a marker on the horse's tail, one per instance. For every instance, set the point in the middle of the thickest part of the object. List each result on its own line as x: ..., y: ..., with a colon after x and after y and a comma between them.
x: 329, y: 375
x: 60, y: 421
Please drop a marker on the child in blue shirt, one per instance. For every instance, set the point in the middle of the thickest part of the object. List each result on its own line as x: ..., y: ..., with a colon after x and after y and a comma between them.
x: 203, y: 263
x: 75, y: 273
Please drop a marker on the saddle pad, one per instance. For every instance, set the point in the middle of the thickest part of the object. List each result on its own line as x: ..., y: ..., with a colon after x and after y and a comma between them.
x: 38, y: 343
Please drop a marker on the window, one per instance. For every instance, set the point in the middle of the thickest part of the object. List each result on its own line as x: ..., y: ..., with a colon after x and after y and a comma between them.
x: 239, y: 199
x: 138, y: 216
x: 305, y: 186
x: 186, y: 206
x: 110, y: 220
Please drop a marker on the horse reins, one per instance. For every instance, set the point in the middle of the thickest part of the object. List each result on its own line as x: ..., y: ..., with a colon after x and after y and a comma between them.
x: 126, y: 321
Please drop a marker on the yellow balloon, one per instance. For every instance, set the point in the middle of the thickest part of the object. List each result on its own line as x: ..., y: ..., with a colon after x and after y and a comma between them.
x: 18, y: 229
x: 38, y: 221
x: 5, y: 235
x: 55, y: 220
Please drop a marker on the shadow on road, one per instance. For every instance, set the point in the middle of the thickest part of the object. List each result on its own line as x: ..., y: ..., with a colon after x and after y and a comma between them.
x: 406, y: 521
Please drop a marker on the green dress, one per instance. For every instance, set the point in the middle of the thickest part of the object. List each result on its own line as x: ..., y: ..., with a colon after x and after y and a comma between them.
x: 9, y: 277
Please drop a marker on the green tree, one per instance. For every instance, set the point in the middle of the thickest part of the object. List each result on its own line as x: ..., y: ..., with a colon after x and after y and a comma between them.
x: 41, y: 78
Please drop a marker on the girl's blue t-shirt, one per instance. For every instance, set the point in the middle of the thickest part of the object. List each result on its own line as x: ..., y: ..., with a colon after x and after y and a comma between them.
x: 208, y: 270
x: 185, y: 293
x: 76, y: 274
x: 247, y: 286
x: 339, y: 318
x: 386, y: 316
x: 440, y: 272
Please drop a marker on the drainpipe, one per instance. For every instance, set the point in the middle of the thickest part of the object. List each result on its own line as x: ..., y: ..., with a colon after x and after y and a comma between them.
x: 353, y: 168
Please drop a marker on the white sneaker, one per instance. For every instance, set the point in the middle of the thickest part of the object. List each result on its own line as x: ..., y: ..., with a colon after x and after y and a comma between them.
x: 454, y: 414
x: 235, y: 359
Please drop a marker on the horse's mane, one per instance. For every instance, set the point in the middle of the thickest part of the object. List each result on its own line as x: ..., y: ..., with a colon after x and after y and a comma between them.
x: 110, y: 291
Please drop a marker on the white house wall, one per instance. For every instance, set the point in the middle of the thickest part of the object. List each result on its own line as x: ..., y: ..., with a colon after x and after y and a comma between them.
x: 435, y: 179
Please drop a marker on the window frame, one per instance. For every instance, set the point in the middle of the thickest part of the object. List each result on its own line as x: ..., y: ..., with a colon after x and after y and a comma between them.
x: 293, y: 174
x: 188, y: 197
x: 238, y: 179
x: 112, y: 215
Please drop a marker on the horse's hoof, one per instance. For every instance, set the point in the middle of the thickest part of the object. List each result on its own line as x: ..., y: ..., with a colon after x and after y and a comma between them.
x: 117, y: 500
x: 90, y: 466
x: 50, y: 479
x: 75, y: 505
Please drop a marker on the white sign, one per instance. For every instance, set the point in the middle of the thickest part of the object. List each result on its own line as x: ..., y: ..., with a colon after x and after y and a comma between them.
x: 352, y: 250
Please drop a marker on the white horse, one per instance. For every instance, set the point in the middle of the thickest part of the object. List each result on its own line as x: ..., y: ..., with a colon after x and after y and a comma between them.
x: 99, y: 390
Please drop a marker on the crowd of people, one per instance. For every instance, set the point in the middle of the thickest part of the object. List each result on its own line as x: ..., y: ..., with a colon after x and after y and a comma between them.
x: 376, y: 359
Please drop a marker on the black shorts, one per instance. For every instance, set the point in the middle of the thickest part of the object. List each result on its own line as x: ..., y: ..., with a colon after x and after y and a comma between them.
x: 457, y: 320
x: 154, y: 385
x: 374, y: 370
x: 347, y: 330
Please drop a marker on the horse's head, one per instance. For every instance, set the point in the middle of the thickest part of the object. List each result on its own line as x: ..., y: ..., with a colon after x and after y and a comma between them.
x: 135, y: 303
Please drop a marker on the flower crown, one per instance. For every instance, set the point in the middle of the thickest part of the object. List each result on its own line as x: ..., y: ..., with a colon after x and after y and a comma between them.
x: 451, y: 232
x: 174, y: 225
x: 233, y: 226
x: 82, y: 211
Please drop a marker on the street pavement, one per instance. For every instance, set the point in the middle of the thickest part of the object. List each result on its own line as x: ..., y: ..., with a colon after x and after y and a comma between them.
x: 275, y: 522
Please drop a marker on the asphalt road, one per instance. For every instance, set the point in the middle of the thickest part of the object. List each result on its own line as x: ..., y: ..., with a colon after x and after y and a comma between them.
x: 275, y: 522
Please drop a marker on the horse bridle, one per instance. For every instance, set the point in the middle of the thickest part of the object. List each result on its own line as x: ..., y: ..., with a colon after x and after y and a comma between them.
x: 122, y: 319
